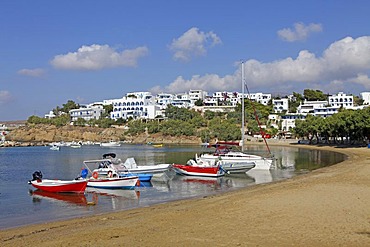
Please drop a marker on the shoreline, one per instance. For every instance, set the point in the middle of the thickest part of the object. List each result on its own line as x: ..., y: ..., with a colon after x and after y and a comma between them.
x: 326, y: 207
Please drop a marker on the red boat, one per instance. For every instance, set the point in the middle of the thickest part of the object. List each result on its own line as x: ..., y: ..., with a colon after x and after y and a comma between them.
x: 73, y: 186
x: 192, y: 169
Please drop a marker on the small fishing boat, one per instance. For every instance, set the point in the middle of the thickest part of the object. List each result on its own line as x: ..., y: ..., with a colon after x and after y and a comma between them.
x: 113, y: 183
x: 110, y: 144
x: 75, y: 145
x: 157, y: 145
x: 55, y: 185
x: 55, y: 147
x: 109, y: 181
x: 194, y: 169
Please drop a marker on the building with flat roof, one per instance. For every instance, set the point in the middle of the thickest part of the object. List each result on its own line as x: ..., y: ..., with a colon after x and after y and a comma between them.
x: 87, y: 112
x: 341, y: 100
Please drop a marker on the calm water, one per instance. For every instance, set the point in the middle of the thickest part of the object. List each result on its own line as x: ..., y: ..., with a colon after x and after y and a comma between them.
x: 21, y: 204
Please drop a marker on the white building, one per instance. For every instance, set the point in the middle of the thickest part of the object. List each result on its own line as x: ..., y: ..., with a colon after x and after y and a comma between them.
x: 280, y: 105
x: 365, y: 96
x: 210, y: 101
x: 195, y: 95
x: 135, y: 105
x: 262, y: 98
x: 163, y: 99
x: 310, y: 106
x: 341, y: 100
x: 50, y: 115
x: 87, y: 112
x: 325, y: 111
x: 288, y: 120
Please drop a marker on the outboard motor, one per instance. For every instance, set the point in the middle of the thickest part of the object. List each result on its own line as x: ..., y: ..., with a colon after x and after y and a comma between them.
x: 37, y: 175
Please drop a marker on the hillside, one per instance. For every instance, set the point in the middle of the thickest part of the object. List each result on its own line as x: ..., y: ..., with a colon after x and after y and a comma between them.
x: 40, y: 134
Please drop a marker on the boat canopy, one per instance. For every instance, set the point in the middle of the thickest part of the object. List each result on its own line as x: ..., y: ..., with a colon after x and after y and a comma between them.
x: 109, y: 155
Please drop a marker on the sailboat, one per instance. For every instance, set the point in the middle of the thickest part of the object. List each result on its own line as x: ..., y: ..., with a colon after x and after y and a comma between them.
x: 232, y: 161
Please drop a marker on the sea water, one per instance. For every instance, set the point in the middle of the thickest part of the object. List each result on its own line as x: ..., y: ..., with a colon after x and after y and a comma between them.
x: 21, y: 204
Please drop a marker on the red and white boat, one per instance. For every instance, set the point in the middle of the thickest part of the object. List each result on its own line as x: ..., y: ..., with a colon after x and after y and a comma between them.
x: 193, y: 169
x: 73, y: 186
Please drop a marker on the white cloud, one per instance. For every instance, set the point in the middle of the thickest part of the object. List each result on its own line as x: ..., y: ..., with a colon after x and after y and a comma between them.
x: 210, y: 82
x: 344, y: 62
x: 32, y: 72
x: 300, y: 32
x: 5, y: 96
x: 193, y: 43
x: 96, y: 57
x: 361, y: 79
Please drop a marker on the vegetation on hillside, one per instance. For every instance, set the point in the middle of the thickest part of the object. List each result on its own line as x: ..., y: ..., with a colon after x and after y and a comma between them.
x: 348, y: 126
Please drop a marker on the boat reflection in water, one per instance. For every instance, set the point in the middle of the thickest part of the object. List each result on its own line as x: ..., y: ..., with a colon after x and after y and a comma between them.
x: 118, y: 198
x: 70, y: 198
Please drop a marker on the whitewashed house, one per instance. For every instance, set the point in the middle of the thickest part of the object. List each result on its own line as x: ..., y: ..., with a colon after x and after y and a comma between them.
x: 280, y: 105
x: 134, y: 105
x: 87, y: 112
x: 341, y: 100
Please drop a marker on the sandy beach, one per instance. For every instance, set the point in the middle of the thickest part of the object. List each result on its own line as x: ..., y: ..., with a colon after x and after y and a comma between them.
x: 327, y: 207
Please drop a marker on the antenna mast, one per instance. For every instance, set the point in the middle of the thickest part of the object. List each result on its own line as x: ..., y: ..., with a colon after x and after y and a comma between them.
x: 243, y: 120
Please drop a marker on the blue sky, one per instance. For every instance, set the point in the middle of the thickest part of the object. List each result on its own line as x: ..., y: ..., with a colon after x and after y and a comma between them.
x: 87, y: 51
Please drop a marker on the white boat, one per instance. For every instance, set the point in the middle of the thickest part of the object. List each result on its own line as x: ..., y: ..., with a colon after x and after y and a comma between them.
x: 235, y: 162
x: 232, y: 162
x: 55, y: 147
x: 75, y: 145
x: 110, y: 180
x: 230, y: 158
x: 110, y: 144
x: 130, y: 165
x: 113, y: 182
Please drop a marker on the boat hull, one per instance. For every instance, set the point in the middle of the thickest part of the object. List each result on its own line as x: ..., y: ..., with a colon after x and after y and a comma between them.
x: 236, y: 167
x: 198, y: 171
x: 70, y: 186
x: 143, y: 177
x: 231, y: 158
x: 113, y: 183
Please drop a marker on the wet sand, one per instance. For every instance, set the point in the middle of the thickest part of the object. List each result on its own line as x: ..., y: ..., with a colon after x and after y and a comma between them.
x: 327, y: 207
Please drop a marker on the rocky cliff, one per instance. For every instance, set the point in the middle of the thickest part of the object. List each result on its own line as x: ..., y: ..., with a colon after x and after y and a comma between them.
x: 41, y: 134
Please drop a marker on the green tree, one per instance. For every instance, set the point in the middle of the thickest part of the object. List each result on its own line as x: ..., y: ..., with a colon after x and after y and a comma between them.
x: 107, y: 111
x: 198, y: 102
x: 61, y: 120
x: 314, y: 95
x: 176, y: 113
x: 357, y: 101
x: 69, y: 106
x: 105, y: 122
x: 295, y: 102
x: 80, y: 122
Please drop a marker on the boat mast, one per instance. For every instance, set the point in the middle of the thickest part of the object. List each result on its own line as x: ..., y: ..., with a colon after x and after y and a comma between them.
x: 243, y: 85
